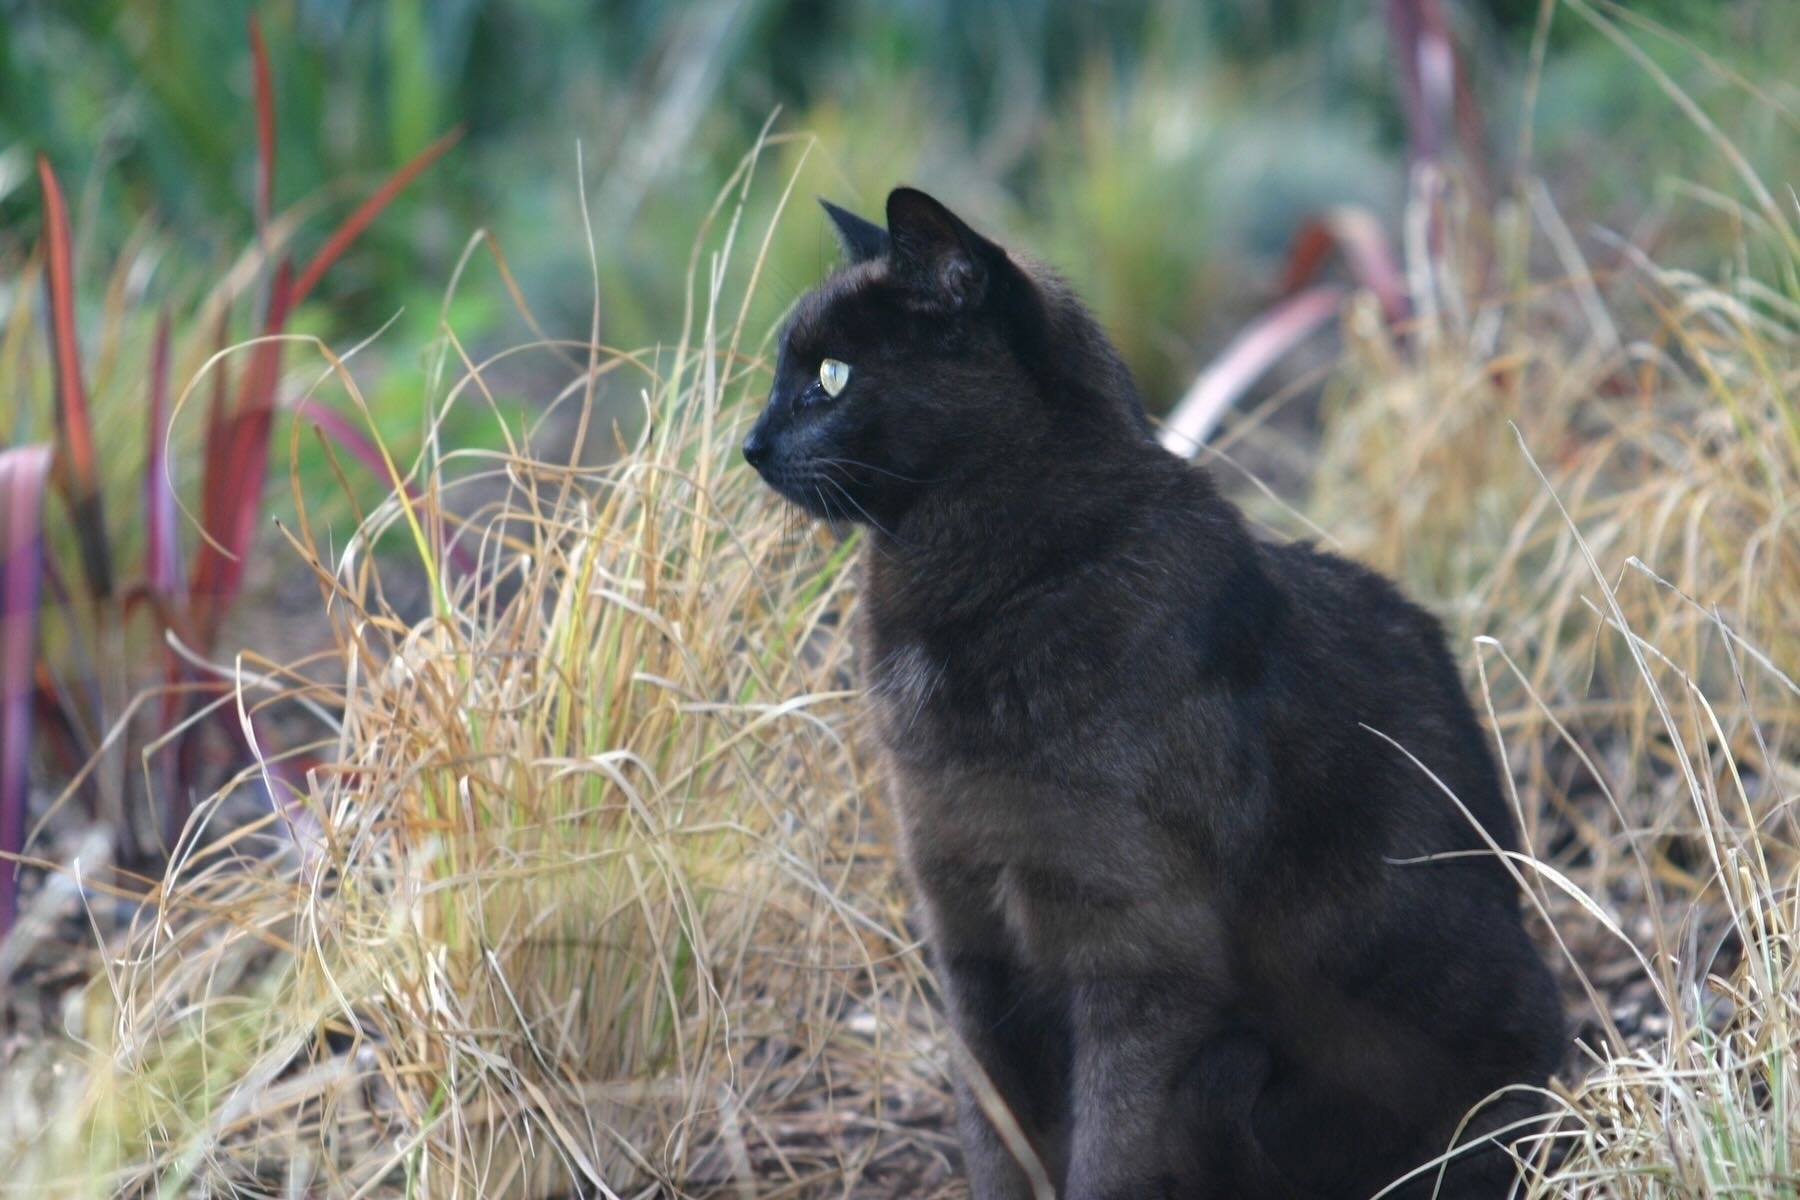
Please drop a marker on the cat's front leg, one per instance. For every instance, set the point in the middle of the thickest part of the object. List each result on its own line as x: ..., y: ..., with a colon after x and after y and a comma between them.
x: 1015, y: 1034
x: 1013, y: 1028
x: 1135, y: 1038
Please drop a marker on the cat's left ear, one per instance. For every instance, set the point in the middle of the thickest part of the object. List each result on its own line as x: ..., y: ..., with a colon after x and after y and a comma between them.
x: 861, y: 239
x: 942, y: 259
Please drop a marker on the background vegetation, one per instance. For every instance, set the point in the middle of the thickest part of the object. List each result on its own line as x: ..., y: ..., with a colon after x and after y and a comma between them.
x: 474, y: 805
x: 1161, y: 153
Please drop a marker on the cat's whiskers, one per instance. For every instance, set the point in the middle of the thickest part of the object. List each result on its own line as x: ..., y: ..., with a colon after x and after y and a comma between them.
x: 793, y: 526
x: 858, y: 464
x: 824, y: 502
x: 867, y: 515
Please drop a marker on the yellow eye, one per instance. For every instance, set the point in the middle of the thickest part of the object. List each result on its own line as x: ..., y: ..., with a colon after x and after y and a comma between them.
x: 833, y: 375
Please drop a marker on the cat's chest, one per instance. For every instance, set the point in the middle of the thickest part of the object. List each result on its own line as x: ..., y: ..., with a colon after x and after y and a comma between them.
x: 1037, y: 807
x: 907, y: 683
x: 992, y: 769
x: 941, y: 702
x: 1071, y: 882
x: 1015, y: 751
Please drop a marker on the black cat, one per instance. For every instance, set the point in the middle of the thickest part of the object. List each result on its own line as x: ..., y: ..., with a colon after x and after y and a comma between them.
x: 1172, y: 871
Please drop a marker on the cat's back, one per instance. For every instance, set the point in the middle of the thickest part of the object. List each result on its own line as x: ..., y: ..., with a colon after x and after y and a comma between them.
x: 1366, y: 676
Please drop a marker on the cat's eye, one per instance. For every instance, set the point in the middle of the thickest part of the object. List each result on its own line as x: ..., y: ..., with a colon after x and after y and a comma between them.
x: 833, y: 375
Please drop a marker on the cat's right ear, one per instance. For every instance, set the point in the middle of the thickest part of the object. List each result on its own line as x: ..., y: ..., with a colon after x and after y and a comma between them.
x: 940, y: 258
x: 862, y: 240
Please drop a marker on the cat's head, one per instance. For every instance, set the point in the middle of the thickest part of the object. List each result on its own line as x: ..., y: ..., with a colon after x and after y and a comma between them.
x: 930, y: 360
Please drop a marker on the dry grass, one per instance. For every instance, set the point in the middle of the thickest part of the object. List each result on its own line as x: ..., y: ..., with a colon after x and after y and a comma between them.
x: 592, y: 899
x: 587, y: 898
x: 1595, y: 478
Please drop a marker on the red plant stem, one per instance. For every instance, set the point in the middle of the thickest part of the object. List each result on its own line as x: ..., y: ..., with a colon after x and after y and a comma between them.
x: 265, y: 126
x: 76, y: 467
x: 367, y: 211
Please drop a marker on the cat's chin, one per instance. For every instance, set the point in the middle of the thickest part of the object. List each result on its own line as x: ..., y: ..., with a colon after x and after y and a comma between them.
x: 810, y: 493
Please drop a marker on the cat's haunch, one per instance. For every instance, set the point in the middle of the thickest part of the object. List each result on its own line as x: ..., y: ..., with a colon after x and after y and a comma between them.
x: 1175, y: 803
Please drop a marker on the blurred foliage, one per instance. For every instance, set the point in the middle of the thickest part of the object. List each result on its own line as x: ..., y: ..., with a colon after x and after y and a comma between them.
x: 1160, y: 152
x: 132, y: 608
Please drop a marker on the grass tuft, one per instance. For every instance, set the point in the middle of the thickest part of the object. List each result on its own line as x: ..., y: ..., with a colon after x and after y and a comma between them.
x: 1592, y: 475
x: 583, y: 894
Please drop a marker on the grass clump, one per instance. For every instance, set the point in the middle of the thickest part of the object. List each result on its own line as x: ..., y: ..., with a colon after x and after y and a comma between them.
x: 581, y: 897
x: 1591, y: 471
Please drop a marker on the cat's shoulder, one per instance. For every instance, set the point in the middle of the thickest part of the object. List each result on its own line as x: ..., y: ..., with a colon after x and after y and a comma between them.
x: 1335, y: 584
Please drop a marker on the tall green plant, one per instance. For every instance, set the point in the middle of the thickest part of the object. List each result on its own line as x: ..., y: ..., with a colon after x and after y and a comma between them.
x: 74, y: 696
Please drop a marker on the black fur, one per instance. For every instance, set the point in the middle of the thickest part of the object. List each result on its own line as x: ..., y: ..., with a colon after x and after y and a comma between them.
x: 1161, y: 856
x: 861, y: 240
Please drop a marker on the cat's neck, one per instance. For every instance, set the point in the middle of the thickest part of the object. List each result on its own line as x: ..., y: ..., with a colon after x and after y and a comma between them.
x: 973, y: 550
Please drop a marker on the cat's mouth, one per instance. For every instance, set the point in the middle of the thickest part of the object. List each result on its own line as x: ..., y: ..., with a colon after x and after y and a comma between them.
x: 812, y: 489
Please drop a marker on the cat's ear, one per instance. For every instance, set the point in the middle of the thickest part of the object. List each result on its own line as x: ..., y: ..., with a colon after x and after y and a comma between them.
x: 941, y: 258
x: 860, y: 239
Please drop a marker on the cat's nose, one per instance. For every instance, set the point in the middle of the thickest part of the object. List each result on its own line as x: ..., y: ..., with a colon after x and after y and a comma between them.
x: 756, y: 448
